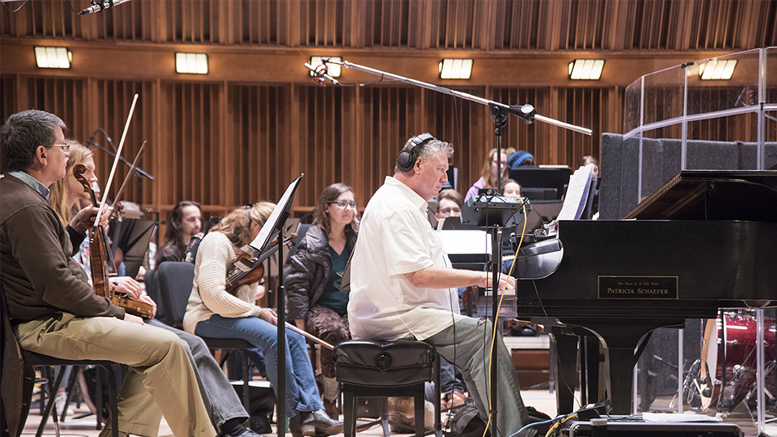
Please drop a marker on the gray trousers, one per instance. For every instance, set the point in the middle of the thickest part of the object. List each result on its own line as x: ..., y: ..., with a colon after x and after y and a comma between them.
x: 220, y: 397
x: 469, y: 350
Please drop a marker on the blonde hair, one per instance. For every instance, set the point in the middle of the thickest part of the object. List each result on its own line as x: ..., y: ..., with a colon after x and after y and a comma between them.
x: 58, y: 199
x: 237, y: 224
x: 486, y: 172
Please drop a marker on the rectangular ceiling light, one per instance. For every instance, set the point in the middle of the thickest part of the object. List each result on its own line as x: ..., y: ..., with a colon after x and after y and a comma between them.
x: 715, y: 69
x: 53, y: 57
x: 333, y: 70
x: 586, y: 69
x: 191, y: 63
x: 455, y: 68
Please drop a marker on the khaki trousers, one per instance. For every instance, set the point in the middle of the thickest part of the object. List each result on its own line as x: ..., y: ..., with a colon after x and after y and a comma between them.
x: 161, y: 376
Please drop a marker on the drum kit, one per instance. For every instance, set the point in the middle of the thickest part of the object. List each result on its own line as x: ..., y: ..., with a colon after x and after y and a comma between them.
x: 730, y: 349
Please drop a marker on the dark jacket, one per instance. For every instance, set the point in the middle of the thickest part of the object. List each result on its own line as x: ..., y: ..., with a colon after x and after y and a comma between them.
x: 40, y: 277
x: 310, y: 268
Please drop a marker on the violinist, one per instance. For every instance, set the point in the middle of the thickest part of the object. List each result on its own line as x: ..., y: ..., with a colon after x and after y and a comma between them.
x: 214, y: 312
x: 224, y: 407
x: 55, y: 311
x: 67, y: 197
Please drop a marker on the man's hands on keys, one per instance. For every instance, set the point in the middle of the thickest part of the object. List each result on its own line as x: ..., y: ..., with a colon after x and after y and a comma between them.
x: 85, y: 219
x: 503, y: 279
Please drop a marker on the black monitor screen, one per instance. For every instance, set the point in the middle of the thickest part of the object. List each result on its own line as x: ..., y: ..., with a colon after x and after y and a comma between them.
x: 537, y: 177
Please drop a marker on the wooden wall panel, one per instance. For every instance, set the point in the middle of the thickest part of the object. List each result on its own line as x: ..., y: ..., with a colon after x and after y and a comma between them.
x: 190, y: 125
x: 106, y: 112
x: 8, y: 97
x: 257, y: 147
x: 64, y: 97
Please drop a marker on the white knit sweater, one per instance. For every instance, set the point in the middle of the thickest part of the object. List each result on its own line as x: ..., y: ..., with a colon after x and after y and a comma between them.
x: 209, y: 296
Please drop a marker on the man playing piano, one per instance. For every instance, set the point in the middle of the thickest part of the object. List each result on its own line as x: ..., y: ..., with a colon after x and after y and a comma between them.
x: 403, y: 285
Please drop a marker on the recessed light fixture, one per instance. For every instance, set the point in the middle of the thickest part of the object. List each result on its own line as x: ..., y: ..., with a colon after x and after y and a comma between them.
x: 191, y: 63
x: 715, y: 69
x: 333, y: 70
x: 455, y: 68
x: 53, y: 57
x: 586, y: 69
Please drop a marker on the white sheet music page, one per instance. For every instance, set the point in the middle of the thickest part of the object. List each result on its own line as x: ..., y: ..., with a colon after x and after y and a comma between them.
x: 577, y: 193
x: 465, y: 242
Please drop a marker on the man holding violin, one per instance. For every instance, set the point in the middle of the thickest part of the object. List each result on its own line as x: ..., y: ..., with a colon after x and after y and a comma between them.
x: 52, y: 307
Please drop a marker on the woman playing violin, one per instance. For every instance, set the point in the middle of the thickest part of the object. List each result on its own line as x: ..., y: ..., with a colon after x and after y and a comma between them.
x: 214, y: 312
x: 68, y: 197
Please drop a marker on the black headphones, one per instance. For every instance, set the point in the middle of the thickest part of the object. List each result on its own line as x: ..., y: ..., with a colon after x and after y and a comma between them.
x: 407, y: 158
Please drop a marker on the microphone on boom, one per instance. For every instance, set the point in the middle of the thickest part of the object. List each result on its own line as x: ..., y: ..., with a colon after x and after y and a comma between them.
x: 320, y: 73
x: 101, y: 6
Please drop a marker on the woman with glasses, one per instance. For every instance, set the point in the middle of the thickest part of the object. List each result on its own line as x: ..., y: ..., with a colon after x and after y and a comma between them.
x: 314, y: 300
x: 214, y: 312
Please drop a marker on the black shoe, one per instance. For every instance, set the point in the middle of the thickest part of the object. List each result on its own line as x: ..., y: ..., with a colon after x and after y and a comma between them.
x: 318, y: 423
x: 242, y: 432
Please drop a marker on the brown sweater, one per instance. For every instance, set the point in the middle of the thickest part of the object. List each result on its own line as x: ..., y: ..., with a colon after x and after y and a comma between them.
x: 40, y: 277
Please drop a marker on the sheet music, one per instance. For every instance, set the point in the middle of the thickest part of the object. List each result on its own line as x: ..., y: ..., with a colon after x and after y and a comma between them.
x: 263, y: 239
x: 465, y: 242
x: 577, y: 193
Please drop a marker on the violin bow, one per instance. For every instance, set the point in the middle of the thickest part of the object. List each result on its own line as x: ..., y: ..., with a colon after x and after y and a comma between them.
x: 131, y: 170
x: 116, y: 161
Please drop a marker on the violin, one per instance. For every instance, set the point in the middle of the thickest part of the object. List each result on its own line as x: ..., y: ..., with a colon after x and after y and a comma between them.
x: 247, y: 269
x: 98, y: 257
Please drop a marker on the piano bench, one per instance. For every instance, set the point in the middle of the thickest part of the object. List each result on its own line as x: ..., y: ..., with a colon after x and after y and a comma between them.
x: 366, y: 368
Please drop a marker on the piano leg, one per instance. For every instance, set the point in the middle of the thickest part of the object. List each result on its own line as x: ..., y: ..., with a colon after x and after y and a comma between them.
x: 590, y: 359
x: 566, y: 371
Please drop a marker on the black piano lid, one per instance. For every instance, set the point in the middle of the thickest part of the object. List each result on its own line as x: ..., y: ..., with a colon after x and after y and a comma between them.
x: 749, y: 195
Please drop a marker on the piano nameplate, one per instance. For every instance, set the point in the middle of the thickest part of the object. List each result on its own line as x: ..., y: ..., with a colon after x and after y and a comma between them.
x: 638, y: 287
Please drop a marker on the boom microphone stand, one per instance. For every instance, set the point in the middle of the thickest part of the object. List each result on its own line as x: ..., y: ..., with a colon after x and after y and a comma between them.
x: 499, y: 114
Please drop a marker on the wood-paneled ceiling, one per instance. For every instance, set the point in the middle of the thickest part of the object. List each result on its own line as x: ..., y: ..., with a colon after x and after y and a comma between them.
x: 487, y: 25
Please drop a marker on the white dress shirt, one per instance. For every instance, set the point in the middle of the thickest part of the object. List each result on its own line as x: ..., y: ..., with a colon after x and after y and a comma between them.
x: 395, y: 238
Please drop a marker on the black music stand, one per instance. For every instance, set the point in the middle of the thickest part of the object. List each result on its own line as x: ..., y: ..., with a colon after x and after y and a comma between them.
x: 542, y: 177
x: 494, y: 213
x: 134, y: 235
x: 260, y: 245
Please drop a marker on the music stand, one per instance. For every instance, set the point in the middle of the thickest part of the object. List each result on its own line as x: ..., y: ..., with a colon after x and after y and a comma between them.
x: 134, y: 237
x: 539, y: 177
x: 272, y: 227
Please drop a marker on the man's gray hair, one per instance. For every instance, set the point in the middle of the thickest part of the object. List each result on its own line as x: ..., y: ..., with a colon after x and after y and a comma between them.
x: 22, y: 134
x: 427, y: 150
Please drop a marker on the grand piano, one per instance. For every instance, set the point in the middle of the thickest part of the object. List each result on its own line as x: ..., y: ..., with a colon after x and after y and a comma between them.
x: 704, y: 240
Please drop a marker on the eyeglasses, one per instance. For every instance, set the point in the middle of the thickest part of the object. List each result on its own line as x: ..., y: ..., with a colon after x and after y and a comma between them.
x: 449, y: 211
x: 65, y: 146
x: 345, y: 204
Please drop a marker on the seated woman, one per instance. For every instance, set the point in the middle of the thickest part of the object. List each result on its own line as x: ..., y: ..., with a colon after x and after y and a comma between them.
x: 489, y: 175
x: 214, y: 312
x: 183, y: 229
x: 314, y: 300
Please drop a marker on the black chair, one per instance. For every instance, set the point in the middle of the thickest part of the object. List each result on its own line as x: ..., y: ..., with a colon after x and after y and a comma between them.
x: 18, y: 377
x: 152, y: 289
x: 390, y: 368
x: 175, y: 285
